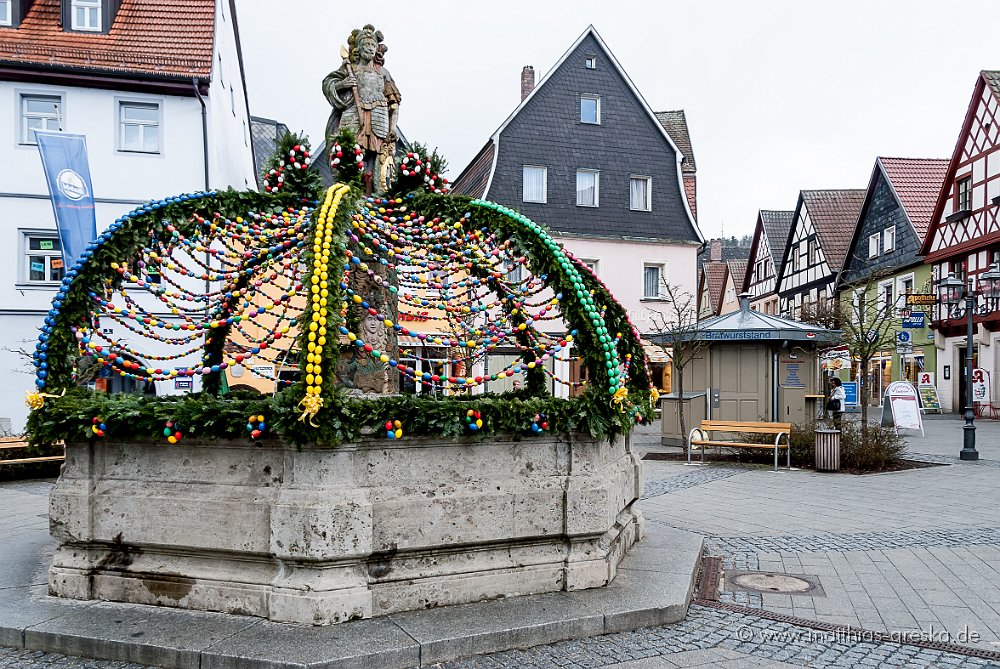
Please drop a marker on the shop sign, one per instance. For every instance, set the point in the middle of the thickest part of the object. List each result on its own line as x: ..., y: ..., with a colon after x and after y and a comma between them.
x: 915, y: 320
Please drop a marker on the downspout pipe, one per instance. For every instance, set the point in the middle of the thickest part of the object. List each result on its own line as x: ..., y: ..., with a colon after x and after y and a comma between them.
x: 204, y: 126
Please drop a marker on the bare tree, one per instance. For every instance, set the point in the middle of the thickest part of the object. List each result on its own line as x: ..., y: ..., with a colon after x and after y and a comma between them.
x: 677, y: 329
x: 824, y: 313
x: 866, y: 323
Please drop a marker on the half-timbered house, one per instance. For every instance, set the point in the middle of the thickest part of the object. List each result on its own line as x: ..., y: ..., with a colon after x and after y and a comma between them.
x: 767, y: 250
x: 883, y: 266
x: 816, y: 247
x: 964, y: 239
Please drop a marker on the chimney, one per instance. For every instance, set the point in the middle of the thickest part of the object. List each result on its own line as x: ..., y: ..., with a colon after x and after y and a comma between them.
x: 715, y: 249
x: 527, y: 81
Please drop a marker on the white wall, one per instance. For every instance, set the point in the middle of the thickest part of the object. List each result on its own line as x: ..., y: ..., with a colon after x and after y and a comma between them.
x: 620, y: 266
x: 230, y: 152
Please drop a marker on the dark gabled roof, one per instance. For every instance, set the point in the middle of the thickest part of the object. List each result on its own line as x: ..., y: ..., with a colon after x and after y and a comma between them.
x: 986, y: 79
x: 149, y: 37
x: 834, y: 215
x: 777, y: 225
x: 916, y: 182
x: 476, y: 176
x: 675, y: 123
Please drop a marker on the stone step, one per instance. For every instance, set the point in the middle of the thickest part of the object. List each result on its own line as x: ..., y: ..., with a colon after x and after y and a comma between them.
x: 654, y: 586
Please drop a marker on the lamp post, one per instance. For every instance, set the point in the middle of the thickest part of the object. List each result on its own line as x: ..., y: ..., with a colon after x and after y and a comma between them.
x: 951, y: 293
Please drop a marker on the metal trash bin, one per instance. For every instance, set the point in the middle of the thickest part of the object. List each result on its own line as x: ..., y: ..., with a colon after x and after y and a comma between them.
x: 828, y: 450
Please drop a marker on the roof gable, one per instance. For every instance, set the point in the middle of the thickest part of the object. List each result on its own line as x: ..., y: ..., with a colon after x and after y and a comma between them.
x: 676, y: 222
x: 987, y: 80
x: 916, y: 182
x: 834, y: 215
x: 167, y: 39
x: 715, y: 272
x: 776, y: 225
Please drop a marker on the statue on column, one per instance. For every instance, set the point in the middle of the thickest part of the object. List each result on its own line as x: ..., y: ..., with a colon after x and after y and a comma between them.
x: 365, y: 100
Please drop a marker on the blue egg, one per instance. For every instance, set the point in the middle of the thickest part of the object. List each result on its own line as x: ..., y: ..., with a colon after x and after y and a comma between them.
x: 40, y: 383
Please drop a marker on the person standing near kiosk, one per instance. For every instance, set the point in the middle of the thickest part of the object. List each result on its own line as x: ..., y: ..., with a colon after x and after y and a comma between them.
x: 838, y: 398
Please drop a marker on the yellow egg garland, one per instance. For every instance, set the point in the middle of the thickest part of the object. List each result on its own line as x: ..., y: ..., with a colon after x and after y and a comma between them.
x: 319, y: 297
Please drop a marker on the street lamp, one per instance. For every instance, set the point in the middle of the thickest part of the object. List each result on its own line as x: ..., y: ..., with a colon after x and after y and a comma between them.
x: 951, y: 293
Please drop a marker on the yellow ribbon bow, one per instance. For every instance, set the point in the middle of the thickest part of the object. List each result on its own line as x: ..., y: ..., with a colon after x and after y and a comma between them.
x: 36, y: 400
x: 311, y: 404
x: 621, y: 395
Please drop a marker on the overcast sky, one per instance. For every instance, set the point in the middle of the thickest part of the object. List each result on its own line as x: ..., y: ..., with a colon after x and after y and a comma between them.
x: 780, y: 95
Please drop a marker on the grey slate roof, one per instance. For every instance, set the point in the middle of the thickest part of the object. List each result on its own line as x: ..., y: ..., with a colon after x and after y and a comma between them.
x: 675, y: 123
x: 264, y: 134
x: 776, y: 226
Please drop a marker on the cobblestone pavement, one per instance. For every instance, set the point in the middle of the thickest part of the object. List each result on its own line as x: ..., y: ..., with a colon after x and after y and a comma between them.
x: 713, y: 638
x: 692, y: 477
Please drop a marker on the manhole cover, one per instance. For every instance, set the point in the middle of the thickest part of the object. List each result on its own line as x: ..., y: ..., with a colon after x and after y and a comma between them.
x: 768, y: 582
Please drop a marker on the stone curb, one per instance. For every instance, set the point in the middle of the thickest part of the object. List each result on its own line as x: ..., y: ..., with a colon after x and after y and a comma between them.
x: 654, y: 586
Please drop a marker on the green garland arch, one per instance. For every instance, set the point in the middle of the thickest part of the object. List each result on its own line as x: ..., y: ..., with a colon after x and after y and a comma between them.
x: 604, y: 338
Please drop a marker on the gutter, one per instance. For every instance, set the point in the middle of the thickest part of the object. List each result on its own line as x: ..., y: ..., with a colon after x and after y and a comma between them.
x: 204, y: 127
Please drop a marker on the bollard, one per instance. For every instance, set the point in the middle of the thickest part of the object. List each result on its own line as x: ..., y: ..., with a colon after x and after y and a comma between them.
x: 828, y: 450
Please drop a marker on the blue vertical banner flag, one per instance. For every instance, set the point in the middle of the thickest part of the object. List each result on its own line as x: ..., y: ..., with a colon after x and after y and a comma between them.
x: 64, y: 159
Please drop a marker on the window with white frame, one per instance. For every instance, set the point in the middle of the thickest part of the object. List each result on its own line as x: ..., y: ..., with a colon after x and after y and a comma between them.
x: 588, y: 186
x: 139, y: 127
x: 873, y: 241
x: 42, y: 261
x: 40, y: 112
x: 640, y: 193
x: 534, y: 183
x: 812, y: 252
x: 652, y: 280
x: 885, y: 297
x: 590, y: 62
x: 889, y: 239
x: 590, y: 109
x: 85, y: 15
x: 6, y: 13
x: 590, y: 264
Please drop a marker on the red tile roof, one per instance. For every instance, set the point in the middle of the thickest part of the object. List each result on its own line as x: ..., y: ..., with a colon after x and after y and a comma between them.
x: 738, y: 270
x: 834, y: 215
x: 715, y: 275
x: 171, y: 38
x: 917, y: 182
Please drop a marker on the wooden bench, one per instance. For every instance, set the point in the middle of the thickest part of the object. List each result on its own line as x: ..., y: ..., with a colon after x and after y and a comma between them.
x: 699, y: 436
x: 16, y: 443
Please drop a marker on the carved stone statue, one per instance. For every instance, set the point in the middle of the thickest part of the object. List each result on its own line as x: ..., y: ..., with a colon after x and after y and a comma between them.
x: 366, y: 100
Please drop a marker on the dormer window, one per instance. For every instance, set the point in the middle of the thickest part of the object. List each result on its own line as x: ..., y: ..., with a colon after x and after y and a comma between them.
x: 6, y: 13
x: 85, y: 15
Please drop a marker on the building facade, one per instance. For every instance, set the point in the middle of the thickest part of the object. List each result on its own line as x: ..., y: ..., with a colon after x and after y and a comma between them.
x: 767, y: 250
x: 158, y: 90
x: 964, y: 241
x: 816, y: 247
x: 585, y: 155
x: 883, y: 266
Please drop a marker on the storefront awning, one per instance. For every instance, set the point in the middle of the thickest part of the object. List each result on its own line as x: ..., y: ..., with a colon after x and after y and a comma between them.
x: 654, y: 354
